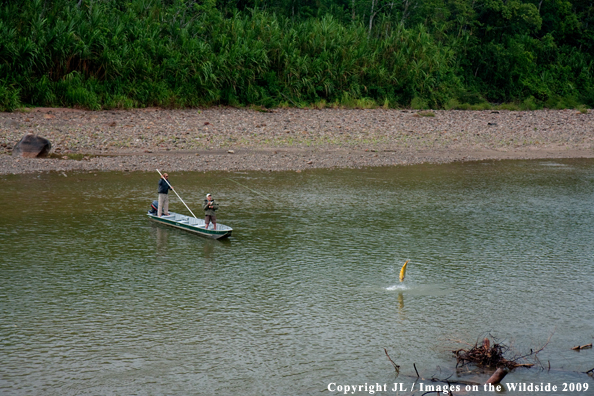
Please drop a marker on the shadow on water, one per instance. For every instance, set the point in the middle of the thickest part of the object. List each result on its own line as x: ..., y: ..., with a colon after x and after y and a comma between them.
x: 161, y: 234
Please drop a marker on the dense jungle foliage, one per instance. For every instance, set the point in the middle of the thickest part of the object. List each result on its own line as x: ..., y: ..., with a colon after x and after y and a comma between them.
x: 395, y: 53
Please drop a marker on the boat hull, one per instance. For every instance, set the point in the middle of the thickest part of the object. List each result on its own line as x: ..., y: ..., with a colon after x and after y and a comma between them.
x: 190, y: 224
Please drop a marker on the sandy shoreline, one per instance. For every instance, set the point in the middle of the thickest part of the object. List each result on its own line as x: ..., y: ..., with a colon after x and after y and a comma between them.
x: 288, y: 139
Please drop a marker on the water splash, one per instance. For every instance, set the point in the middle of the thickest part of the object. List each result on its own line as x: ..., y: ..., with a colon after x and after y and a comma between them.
x: 397, y: 287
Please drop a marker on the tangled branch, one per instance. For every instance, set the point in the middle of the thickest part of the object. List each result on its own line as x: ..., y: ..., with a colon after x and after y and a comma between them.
x: 490, y: 353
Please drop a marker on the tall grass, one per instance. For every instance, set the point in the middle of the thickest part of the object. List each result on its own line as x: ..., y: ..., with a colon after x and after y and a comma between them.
x: 177, y: 53
x: 143, y: 53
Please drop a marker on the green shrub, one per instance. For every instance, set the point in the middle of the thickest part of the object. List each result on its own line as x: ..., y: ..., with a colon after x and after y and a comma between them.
x: 482, y: 106
x: 9, y: 98
x: 529, y: 104
x: 583, y: 109
x: 453, y: 104
x: 508, y: 106
x: 472, y: 98
x: 418, y: 103
x: 118, y: 102
x: 588, y: 97
x: 365, y: 103
x: 179, y: 53
x: 321, y: 104
x: 560, y: 103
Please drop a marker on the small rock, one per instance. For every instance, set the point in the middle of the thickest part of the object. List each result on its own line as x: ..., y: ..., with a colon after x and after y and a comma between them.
x: 310, y: 162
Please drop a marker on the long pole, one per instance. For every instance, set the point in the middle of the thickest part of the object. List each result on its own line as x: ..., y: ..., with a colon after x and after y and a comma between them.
x: 177, y: 195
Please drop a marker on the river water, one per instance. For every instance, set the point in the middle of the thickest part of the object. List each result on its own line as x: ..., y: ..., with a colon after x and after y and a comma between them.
x: 95, y: 299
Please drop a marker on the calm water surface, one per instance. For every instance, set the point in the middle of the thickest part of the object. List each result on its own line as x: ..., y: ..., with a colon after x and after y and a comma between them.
x: 97, y: 300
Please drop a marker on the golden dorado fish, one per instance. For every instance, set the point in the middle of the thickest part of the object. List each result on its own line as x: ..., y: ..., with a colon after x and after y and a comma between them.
x: 403, y: 271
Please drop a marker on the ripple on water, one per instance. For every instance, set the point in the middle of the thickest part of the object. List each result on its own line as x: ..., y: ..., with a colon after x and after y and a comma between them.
x: 307, y: 290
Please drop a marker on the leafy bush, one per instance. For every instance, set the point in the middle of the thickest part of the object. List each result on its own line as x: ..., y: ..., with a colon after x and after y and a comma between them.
x: 529, y: 104
x: 178, y: 53
x: 418, y: 103
x: 9, y: 98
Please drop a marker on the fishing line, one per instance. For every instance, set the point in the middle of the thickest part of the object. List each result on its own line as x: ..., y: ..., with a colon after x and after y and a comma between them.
x: 254, y: 191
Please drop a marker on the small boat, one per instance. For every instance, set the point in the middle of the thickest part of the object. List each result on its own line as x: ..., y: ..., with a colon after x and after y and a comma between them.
x: 192, y: 224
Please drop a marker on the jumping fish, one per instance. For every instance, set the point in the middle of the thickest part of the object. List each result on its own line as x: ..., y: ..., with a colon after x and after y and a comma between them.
x: 403, y: 271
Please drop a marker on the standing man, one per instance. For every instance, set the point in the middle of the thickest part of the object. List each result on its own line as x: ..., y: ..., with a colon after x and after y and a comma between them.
x: 209, y: 211
x: 163, y: 208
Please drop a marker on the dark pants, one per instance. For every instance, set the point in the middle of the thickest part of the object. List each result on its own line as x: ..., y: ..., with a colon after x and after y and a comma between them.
x: 208, y: 219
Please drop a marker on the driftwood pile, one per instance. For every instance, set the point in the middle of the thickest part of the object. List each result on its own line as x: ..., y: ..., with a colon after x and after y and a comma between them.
x: 490, y: 355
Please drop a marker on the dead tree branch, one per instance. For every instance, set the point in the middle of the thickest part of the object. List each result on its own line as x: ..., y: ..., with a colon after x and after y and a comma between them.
x: 396, y: 367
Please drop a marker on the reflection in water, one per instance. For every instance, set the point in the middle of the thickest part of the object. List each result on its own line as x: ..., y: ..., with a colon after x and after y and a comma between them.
x: 209, y: 248
x: 400, y: 301
x: 162, y: 235
x: 166, y: 238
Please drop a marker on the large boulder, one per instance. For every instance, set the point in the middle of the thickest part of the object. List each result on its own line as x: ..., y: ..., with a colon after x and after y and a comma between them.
x: 32, y: 146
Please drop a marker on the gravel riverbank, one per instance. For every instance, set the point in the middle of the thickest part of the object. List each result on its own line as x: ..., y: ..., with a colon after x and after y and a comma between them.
x: 288, y: 139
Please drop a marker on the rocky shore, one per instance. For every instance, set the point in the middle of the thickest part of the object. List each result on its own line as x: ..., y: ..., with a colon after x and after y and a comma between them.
x: 287, y: 139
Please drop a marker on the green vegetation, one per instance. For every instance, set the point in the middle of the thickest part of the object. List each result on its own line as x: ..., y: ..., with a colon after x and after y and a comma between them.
x: 423, y: 54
